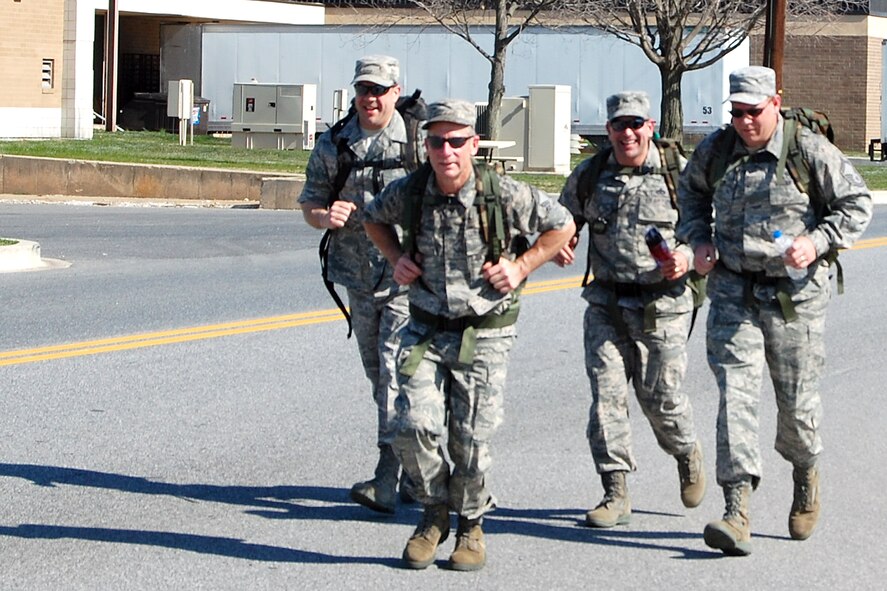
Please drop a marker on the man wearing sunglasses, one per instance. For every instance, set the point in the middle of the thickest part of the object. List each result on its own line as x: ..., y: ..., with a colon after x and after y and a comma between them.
x: 639, y: 312
x: 758, y: 314
x: 463, y: 307
x: 375, y: 142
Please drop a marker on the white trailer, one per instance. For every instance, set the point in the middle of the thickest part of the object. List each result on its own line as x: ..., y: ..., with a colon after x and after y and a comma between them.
x: 591, y: 62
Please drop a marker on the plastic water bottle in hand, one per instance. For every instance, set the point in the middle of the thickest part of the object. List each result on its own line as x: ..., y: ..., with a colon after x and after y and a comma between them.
x: 783, y: 243
x: 657, y: 245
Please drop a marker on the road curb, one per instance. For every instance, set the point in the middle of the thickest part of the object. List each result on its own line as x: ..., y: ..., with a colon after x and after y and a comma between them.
x: 25, y: 256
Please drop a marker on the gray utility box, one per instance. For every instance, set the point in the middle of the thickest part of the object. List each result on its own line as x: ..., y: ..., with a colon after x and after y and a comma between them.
x: 274, y: 116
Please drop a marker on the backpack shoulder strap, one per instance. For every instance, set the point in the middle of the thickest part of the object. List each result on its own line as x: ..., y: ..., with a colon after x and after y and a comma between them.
x: 344, y: 155
x: 587, y: 182
x: 722, y: 148
x: 670, y: 152
x: 412, y: 207
x: 488, y: 200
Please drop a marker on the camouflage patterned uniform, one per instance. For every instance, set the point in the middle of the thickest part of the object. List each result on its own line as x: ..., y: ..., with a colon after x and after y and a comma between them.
x: 746, y: 326
x: 626, y: 278
x: 378, y: 305
x: 452, y: 286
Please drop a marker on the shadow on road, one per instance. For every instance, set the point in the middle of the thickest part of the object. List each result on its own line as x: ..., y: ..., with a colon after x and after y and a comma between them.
x: 231, y: 547
x: 537, y: 523
x: 314, y: 503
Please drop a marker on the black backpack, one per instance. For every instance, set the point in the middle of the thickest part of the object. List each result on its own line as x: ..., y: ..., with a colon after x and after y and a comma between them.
x: 413, y: 110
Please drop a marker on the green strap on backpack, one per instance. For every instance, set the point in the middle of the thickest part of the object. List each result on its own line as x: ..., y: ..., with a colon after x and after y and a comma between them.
x: 491, y: 212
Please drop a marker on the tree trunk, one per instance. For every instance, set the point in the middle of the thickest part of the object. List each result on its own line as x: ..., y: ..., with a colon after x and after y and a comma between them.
x: 497, y: 71
x: 496, y: 92
x: 672, y: 124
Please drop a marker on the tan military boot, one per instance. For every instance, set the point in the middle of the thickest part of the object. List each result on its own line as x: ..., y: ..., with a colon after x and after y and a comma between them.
x: 615, y: 507
x: 379, y: 494
x: 805, y: 507
x: 431, y: 532
x: 470, y: 553
x: 732, y: 534
x: 692, y: 476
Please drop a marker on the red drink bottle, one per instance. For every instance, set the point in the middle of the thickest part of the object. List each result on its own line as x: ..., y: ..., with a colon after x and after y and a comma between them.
x: 657, y: 245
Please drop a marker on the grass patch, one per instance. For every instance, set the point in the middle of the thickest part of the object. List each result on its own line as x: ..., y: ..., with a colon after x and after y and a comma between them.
x: 7, y: 242
x: 159, y: 147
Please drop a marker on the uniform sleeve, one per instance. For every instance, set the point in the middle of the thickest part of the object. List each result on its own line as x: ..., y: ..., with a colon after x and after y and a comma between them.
x: 387, y: 207
x: 848, y: 200
x: 695, y: 198
x: 320, y: 172
x: 532, y: 210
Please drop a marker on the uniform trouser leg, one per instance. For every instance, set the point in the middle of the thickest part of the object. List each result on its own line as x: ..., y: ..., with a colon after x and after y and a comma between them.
x: 741, y: 336
x: 477, y: 393
x: 735, y: 347
x: 608, y: 357
x: 472, y: 394
x: 795, y: 354
x: 656, y: 363
x: 658, y: 374
x: 377, y: 321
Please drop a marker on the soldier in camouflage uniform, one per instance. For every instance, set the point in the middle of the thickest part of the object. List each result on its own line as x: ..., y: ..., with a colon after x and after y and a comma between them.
x: 639, y: 313
x: 379, y: 307
x: 758, y: 315
x: 456, y: 344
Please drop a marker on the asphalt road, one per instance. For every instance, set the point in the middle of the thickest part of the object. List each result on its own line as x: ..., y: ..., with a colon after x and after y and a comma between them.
x: 179, y: 410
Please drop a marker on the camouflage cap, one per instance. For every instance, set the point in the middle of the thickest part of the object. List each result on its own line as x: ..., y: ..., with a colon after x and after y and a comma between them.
x: 628, y: 104
x: 378, y: 69
x: 451, y: 111
x: 752, y: 85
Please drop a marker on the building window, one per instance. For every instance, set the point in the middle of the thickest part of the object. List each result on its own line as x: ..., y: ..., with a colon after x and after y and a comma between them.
x: 48, y: 75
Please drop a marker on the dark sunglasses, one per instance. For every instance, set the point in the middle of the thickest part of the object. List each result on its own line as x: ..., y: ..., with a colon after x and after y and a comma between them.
x: 370, y: 89
x: 753, y: 112
x: 437, y: 142
x: 623, y: 124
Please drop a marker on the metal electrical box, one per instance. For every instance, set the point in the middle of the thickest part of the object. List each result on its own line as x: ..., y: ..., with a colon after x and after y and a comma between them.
x: 548, y: 128
x: 274, y: 116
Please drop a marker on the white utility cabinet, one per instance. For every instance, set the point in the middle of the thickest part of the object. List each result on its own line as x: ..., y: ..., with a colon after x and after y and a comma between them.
x: 548, y: 128
x: 274, y: 116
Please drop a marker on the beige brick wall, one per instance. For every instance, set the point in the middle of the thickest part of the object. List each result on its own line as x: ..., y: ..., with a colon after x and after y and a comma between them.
x: 30, y: 31
x: 840, y: 76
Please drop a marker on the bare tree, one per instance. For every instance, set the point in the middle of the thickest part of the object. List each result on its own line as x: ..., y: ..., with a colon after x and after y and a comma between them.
x: 508, y: 18
x: 678, y: 36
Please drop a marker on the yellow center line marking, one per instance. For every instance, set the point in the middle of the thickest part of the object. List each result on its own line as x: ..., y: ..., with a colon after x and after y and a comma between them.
x: 213, y: 331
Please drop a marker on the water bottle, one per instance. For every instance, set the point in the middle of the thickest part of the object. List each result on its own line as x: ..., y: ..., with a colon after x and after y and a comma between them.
x: 657, y: 245
x: 783, y: 243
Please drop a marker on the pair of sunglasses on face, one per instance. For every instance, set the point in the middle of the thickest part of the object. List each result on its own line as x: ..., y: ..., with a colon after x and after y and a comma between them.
x: 436, y: 142
x: 623, y: 124
x: 370, y: 89
x: 753, y: 112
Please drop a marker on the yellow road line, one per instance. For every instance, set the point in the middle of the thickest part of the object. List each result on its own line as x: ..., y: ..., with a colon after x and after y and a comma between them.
x: 165, y: 338
x: 212, y: 331
x: 870, y: 243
